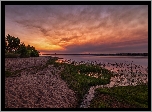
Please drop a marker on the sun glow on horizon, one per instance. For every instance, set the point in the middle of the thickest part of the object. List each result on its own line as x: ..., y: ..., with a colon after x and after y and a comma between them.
x: 80, y: 28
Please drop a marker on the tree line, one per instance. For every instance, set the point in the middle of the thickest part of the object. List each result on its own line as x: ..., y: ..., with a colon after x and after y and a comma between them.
x: 14, y: 46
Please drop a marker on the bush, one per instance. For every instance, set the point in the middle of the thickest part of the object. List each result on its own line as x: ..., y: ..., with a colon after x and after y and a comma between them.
x: 34, y: 53
x: 24, y: 56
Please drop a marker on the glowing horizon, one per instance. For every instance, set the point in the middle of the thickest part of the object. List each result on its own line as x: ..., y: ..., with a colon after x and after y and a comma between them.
x: 80, y: 29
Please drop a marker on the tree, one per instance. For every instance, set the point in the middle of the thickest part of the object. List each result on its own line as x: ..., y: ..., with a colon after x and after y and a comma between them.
x: 33, y: 51
x: 6, y: 46
x: 23, y: 51
x: 13, y: 43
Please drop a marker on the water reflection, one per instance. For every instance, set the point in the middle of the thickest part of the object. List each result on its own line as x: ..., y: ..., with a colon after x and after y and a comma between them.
x: 139, y: 60
x: 119, y: 67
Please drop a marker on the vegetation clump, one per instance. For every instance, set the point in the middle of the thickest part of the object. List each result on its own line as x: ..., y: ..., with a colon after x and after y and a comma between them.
x: 77, y: 78
x: 122, y: 96
x: 14, y: 48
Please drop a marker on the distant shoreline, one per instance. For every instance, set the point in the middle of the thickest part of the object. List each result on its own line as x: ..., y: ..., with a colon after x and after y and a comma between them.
x: 141, y: 57
x: 120, y: 54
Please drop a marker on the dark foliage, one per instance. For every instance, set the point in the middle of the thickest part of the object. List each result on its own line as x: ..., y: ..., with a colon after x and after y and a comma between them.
x: 13, y: 47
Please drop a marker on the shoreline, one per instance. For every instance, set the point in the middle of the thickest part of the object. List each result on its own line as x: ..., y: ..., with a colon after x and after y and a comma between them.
x: 34, y: 68
x: 99, y: 56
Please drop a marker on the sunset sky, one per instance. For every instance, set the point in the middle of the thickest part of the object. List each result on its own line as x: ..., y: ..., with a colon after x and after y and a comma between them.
x: 80, y: 28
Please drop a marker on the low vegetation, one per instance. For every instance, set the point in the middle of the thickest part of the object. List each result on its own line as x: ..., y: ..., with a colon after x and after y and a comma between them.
x: 122, y: 97
x: 78, y: 79
x: 81, y: 77
x: 12, y: 55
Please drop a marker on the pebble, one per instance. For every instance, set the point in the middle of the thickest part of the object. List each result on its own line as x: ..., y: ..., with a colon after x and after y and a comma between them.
x: 32, y: 90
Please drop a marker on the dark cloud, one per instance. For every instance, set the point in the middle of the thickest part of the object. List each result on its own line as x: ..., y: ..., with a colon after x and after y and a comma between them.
x: 68, y: 39
x: 101, y: 49
x: 93, y: 28
x: 135, y: 46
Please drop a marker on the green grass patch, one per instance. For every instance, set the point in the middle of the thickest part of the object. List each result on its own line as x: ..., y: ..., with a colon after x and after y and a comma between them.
x: 52, y: 61
x: 97, y: 103
x: 81, y: 82
x: 132, y: 95
x: 76, y: 76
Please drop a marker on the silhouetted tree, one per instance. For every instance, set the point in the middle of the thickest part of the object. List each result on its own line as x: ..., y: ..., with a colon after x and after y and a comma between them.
x: 13, y: 45
x: 33, y: 51
x: 23, y: 51
x: 6, y: 46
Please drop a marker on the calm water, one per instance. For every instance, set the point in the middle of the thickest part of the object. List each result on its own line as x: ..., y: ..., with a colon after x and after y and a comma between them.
x: 143, y: 61
x: 128, y: 61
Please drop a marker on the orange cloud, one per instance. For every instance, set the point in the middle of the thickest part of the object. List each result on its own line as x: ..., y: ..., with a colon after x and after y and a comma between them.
x: 57, y: 28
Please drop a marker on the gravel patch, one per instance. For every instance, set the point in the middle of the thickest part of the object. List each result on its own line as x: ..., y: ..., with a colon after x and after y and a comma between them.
x: 40, y: 89
x: 21, y: 63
